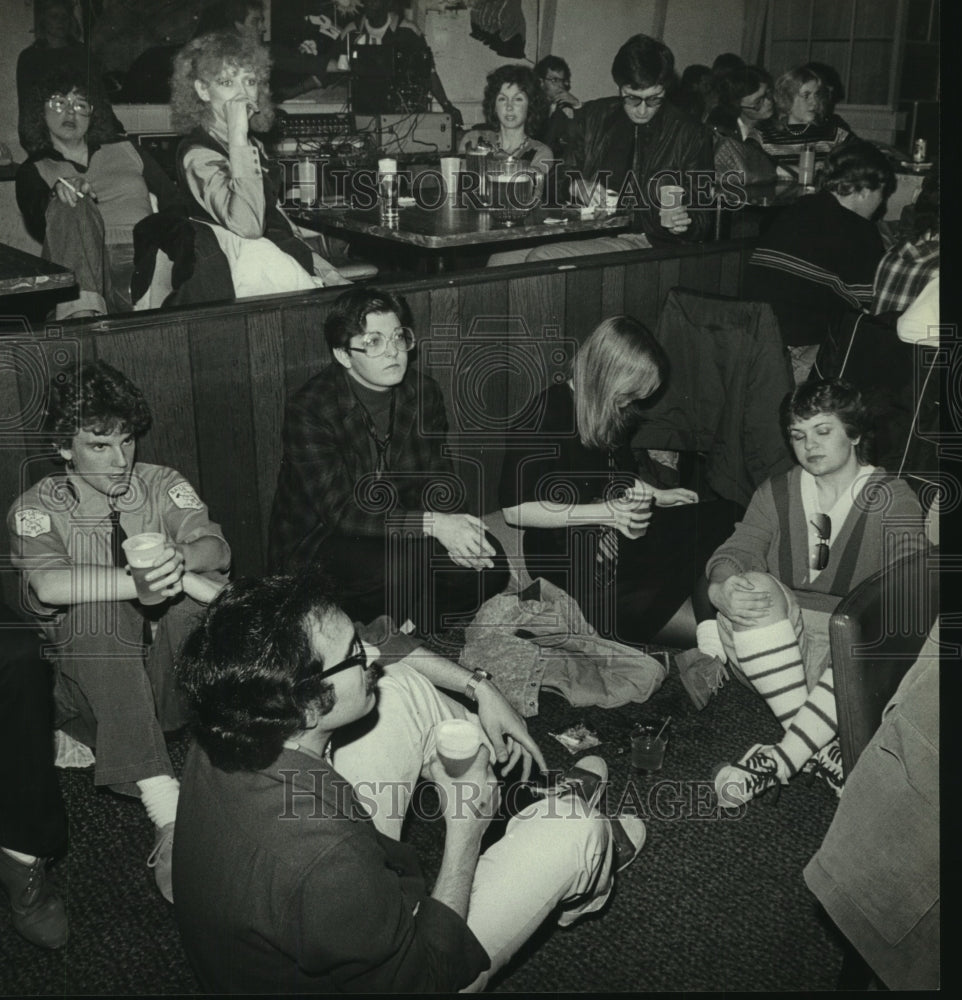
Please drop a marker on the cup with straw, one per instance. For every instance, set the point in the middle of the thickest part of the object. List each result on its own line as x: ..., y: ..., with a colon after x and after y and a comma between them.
x: 648, y: 742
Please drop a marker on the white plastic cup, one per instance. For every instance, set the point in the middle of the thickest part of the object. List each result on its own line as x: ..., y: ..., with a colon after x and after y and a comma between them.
x: 458, y: 742
x: 142, y: 553
x: 642, y: 502
x: 670, y: 196
x: 450, y: 169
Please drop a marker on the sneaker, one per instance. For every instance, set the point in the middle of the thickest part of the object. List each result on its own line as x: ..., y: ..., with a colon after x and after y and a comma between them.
x: 753, y: 775
x: 587, y: 777
x: 827, y: 765
x: 161, y: 860
x: 38, y: 910
x: 628, y: 836
x: 701, y: 675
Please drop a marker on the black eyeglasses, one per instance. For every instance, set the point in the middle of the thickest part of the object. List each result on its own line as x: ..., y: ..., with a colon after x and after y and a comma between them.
x: 822, y: 524
x: 375, y: 344
x: 766, y: 98
x: 356, y: 657
x: 634, y: 101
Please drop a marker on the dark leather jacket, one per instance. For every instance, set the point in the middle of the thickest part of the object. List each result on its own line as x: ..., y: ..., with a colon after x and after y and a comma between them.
x: 671, y: 141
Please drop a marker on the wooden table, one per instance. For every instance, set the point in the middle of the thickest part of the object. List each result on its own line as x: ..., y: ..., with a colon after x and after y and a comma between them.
x: 22, y: 272
x: 442, y: 231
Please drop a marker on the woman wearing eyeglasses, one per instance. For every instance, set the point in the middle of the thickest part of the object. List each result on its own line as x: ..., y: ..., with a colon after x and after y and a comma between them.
x: 83, y: 189
x: 800, y: 120
x: 809, y: 537
x: 621, y: 151
x: 366, y: 487
x: 744, y: 100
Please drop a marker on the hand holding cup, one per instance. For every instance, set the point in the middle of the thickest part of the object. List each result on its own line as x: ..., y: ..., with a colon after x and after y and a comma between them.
x: 145, y: 552
x: 672, y: 213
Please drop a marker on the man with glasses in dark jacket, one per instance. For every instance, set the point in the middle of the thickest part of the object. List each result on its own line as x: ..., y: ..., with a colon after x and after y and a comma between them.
x: 622, y: 151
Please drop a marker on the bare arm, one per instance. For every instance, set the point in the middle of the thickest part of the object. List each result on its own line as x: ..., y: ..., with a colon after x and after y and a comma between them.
x: 502, y: 725
x: 627, y: 515
x: 468, y: 804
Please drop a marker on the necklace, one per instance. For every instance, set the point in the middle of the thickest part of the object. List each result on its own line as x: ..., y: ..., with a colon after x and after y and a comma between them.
x: 516, y: 149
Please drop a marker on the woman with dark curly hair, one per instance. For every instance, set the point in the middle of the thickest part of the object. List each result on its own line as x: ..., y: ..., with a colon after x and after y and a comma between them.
x: 219, y: 93
x: 801, y: 120
x: 515, y: 108
x: 84, y: 188
x: 809, y: 537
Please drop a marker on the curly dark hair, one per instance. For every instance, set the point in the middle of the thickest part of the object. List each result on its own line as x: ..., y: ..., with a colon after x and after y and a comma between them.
x: 525, y: 80
x: 835, y: 396
x: 36, y: 135
x: 855, y: 165
x: 249, y: 670
x: 204, y: 58
x: 349, y: 312
x: 739, y: 83
x: 644, y: 62
x: 95, y: 398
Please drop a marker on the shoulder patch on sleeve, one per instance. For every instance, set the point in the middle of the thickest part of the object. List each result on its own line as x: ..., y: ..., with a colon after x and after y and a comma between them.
x: 184, y: 496
x: 31, y: 522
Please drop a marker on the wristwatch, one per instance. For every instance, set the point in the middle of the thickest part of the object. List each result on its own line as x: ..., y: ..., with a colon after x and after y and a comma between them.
x: 471, y: 688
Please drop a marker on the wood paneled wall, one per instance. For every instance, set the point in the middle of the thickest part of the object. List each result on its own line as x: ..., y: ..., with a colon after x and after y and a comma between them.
x: 217, y: 377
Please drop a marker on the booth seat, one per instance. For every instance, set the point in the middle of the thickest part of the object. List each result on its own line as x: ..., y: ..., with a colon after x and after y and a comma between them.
x: 217, y: 376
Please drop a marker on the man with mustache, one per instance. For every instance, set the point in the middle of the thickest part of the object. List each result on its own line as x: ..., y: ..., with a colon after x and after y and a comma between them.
x: 290, y: 871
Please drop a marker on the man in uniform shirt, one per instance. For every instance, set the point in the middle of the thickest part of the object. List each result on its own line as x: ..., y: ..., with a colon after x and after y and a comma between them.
x: 66, y: 534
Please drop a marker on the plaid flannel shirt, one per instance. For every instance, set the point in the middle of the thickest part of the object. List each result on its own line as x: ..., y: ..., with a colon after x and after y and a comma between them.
x: 327, y: 482
x: 902, y: 274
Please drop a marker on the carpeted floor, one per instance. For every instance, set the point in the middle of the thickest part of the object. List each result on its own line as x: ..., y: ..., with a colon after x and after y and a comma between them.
x: 714, y: 902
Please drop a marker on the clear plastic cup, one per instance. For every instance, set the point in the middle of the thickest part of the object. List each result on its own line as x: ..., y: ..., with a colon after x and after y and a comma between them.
x: 647, y: 747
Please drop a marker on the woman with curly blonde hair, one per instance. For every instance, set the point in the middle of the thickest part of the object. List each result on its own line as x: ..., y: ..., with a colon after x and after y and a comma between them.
x: 219, y: 94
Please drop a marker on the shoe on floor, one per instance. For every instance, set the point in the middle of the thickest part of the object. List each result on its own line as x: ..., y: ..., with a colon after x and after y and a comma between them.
x: 701, y: 675
x: 628, y: 835
x: 587, y: 776
x: 38, y: 910
x: 826, y: 764
x: 753, y: 775
x: 161, y: 860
